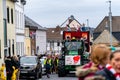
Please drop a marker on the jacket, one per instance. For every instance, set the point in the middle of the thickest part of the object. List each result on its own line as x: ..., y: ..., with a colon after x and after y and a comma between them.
x: 87, y: 71
x: 9, y: 65
x: 49, y: 60
x: 106, y: 73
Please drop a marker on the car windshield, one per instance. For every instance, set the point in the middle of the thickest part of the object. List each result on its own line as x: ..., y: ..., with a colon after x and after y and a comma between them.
x: 28, y: 60
x: 73, y: 45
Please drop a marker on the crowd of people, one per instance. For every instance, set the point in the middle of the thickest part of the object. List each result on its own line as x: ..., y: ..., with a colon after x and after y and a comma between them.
x: 10, y: 69
x: 51, y: 64
x: 104, y: 65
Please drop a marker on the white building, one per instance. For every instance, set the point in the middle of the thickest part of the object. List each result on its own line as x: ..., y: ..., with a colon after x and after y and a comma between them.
x: 37, y: 36
x: 20, y: 26
x: 41, y: 40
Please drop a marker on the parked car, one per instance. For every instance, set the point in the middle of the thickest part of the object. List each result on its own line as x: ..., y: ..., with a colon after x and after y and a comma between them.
x: 30, y: 66
x: 43, y: 67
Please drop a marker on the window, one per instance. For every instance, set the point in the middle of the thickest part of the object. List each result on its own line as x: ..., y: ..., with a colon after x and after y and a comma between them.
x: 16, y: 18
x: 8, y: 17
x: 9, y: 47
x: 18, y: 46
x: 13, y: 47
x: 21, y: 48
x: 12, y: 16
x: 5, y: 33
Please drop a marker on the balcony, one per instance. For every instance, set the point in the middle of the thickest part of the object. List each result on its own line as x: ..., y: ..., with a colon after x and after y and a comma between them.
x: 23, y: 2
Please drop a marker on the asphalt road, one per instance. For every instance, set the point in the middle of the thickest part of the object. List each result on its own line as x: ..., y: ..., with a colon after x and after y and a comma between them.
x: 55, y: 77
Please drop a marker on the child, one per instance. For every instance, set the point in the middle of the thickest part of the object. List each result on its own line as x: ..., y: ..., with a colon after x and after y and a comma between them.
x: 3, y: 72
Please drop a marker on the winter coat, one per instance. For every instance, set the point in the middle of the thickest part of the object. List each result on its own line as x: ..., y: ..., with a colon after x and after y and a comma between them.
x: 87, y: 72
x: 106, y: 73
x: 9, y: 65
x: 15, y: 63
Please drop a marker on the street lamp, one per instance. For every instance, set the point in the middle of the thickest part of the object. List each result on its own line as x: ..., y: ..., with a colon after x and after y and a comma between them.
x: 110, y: 20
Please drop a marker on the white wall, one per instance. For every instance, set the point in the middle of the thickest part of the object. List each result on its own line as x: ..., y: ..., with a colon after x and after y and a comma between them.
x: 20, y: 48
x: 1, y: 33
x: 56, y: 48
x: 41, y: 41
x: 20, y: 28
x: 19, y: 11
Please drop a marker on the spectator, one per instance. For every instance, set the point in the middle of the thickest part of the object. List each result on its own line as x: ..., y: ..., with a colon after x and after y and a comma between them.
x: 112, y: 70
x: 3, y: 72
x: 9, y: 69
x: 99, y: 58
x: 16, y: 64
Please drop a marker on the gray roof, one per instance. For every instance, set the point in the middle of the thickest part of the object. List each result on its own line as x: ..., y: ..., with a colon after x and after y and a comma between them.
x: 115, y: 24
x: 115, y: 27
x: 104, y: 38
x: 32, y: 24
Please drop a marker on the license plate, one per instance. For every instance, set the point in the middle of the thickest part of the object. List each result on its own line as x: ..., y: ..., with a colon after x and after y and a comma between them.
x: 23, y: 71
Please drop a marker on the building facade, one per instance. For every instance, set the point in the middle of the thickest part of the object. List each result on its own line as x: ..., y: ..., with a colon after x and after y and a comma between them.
x: 20, y: 27
x: 35, y: 39
x: 27, y: 41
x: 54, y: 39
x: 2, y: 33
x: 40, y: 40
x: 11, y: 37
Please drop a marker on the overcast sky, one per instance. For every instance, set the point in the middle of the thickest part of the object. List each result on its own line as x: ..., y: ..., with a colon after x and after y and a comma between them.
x: 50, y: 13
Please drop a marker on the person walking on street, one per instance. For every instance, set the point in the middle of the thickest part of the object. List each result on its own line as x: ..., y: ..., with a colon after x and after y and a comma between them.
x: 48, y: 67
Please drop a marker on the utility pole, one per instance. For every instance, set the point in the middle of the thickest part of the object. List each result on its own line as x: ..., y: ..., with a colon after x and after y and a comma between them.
x: 87, y: 22
x: 110, y: 20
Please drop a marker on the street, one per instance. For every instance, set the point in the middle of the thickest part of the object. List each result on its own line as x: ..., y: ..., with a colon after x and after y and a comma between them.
x: 55, y: 77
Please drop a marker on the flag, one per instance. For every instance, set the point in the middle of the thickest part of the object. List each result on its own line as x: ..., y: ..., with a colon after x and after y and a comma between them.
x: 68, y: 28
x: 32, y: 34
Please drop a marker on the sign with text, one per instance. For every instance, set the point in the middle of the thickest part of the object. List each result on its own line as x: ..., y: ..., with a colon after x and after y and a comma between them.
x: 72, y: 60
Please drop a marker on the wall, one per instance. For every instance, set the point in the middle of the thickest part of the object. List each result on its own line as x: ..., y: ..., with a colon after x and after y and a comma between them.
x: 1, y: 34
x: 20, y: 26
x: 11, y: 28
x: 40, y: 41
x: 27, y: 42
